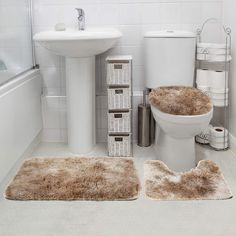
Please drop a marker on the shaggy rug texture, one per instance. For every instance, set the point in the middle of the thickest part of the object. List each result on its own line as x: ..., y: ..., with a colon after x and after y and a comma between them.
x: 180, y: 100
x: 205, y: 182
x: 75, y: 178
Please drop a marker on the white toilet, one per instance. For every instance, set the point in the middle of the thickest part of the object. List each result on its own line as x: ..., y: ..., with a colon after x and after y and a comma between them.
x: 170, y: 61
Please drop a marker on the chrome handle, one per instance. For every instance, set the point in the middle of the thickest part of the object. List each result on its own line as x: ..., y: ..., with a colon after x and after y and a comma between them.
x: 81, y: 18
x: 80, y: 12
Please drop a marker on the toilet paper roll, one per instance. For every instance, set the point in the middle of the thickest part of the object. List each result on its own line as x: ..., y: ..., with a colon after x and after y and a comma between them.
x: 219, y: 140
x: 220, y: 96
x: 218, y: 80
x: 219, y: 146
x: 205, y: 90
x: 213, y: 48
x: 202, y: 140
x: 213, y: 45
x: 219, y: 137
x: 204, y: 136
x: 203, y: 78
x: 220, y: 102
x: 218, y: 132
x: 213, y: 51
x: 213, y: 58
x: 220, y: 91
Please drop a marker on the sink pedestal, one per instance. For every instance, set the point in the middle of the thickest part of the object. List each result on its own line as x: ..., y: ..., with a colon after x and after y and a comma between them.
x: 80, y: 82
x: 80, y: 47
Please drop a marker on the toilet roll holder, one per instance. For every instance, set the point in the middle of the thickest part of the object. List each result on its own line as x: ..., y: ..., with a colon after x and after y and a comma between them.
x: 221, y: 115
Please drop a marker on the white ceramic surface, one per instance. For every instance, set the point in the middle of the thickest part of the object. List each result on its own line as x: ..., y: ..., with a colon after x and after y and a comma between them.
x: 169, y: 34
x: 75, y: 43
x: 132, y: 19
x: 80, y: 85
x: 169, y: 58
x: 5, y: 75
x: 80, y: 48
x: 21, y: 118
x: 175, y: 137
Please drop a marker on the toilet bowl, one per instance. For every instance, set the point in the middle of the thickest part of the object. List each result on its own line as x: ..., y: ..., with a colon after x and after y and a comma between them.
x: 170, y: 65
x: 175, y: 144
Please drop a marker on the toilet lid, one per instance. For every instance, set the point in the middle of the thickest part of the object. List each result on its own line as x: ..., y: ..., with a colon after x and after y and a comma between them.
x: 180, y: 100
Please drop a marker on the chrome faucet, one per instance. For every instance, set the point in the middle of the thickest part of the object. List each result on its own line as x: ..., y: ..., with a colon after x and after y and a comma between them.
x: 81, y: 19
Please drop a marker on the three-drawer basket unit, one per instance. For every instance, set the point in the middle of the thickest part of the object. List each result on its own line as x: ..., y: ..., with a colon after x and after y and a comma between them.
x: 119, y: 86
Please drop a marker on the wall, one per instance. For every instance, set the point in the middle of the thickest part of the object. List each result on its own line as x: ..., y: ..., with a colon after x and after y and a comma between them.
x: 229, y: 17
x: 21, y: 118
x: 133, y: 18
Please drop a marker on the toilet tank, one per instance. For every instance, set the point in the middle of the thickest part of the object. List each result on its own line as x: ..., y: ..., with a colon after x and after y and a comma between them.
x: 169, y: 58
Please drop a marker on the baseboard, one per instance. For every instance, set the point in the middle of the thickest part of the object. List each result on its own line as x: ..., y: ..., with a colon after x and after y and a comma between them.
x: 36, y: 141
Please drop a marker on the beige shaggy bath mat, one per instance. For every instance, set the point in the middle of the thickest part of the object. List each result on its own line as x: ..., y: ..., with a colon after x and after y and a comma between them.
x: 75, y: 179
x: 205, y: 182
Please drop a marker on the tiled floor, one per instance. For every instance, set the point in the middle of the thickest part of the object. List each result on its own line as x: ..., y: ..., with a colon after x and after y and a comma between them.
x: 142, y: 217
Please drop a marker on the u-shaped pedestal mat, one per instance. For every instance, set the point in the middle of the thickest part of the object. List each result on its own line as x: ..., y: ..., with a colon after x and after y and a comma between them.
x: 109, y: 179
x: 205, y: 182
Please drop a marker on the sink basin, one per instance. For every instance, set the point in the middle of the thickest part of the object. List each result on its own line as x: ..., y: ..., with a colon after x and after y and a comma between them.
x: 80, y: 49
x: 75, y: 43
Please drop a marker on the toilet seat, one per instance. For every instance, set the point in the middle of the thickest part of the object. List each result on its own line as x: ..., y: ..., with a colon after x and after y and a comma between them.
x: 181, y: 126
x: 180, y: 113
x: 180, y: 100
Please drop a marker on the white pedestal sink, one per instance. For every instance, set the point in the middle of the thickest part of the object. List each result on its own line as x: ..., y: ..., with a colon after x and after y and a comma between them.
x: 80, y: 48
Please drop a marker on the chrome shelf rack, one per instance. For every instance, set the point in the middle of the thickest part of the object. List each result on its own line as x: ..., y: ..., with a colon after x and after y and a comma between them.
x: 220, y: 65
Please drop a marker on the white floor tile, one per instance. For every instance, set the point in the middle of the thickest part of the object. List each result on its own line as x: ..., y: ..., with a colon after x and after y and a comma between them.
x: 142, y: 217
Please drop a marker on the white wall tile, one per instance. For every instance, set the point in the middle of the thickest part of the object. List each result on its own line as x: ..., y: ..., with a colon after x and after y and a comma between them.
x: 212, y: 10
x: 191, y: 12
x: 45, y: 58
x: 132, y: 35
x: 51, y: 117
x: 51, y: 135
x: 54, y: 118
x: 151, y: 13
x: 170, y: 13
x: 51, y: 77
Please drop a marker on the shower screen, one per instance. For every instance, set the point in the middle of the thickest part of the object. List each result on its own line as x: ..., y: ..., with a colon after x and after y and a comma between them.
x: 15, y: 38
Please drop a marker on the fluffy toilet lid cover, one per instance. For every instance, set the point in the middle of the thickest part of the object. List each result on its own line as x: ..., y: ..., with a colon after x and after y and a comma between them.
x: 180, y: 100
